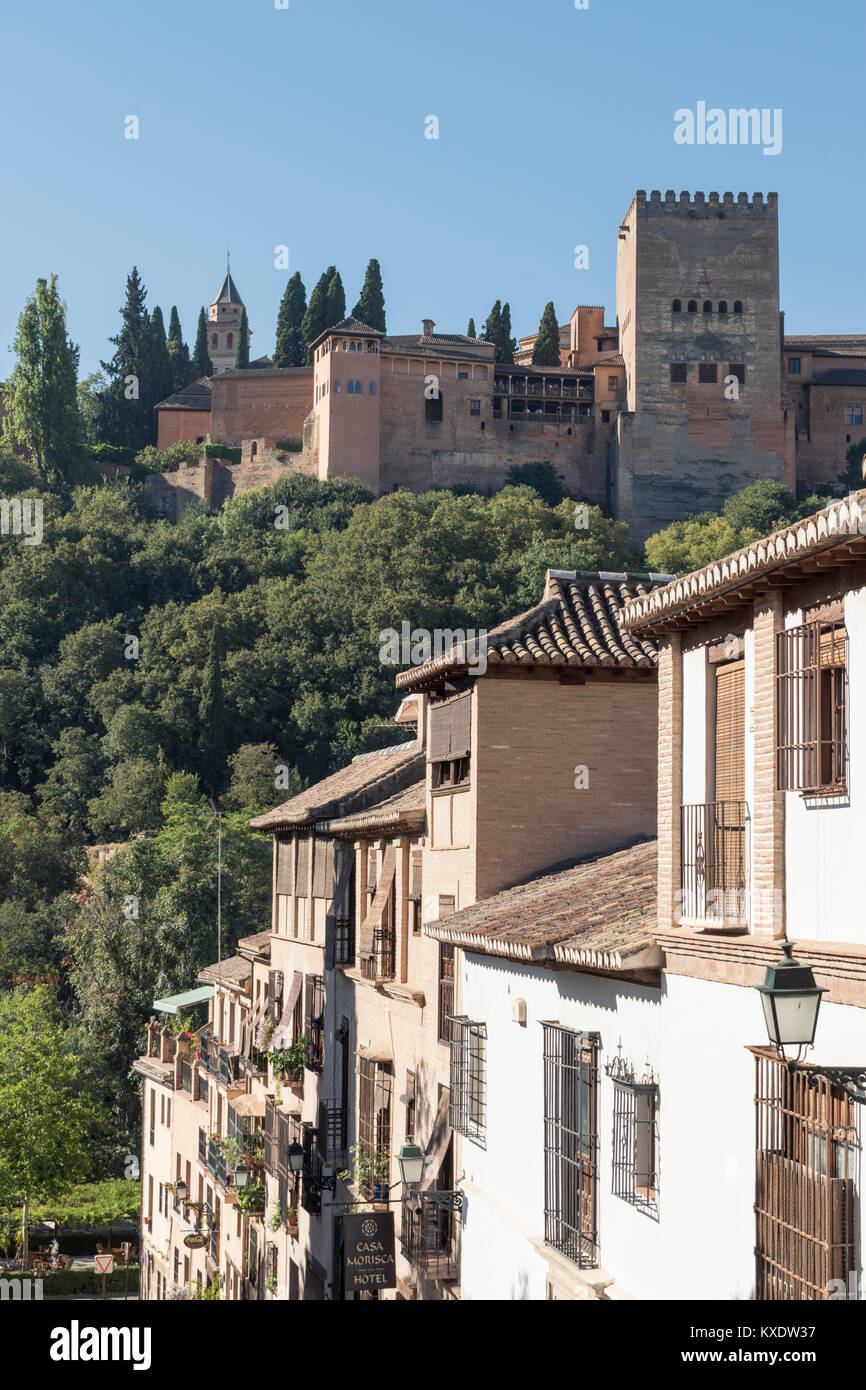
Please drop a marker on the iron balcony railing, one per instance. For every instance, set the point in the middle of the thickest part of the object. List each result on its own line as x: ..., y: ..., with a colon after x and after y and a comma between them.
x: 344, y: 941
x: 714, y: 863
x: 380, y: 965
x: 186, y: 1077
x: 428, y: 1233
x: 202, y: 1146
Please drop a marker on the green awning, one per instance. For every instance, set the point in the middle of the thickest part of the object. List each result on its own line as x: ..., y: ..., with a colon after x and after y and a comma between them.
x: 176, y: 1002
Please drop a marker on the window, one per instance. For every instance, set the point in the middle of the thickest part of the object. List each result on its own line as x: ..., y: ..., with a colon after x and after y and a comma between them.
x: 355, y: 388
x: 474, y: 407
x: 433, y: 407
x: 337, y: 387
x: 708, y: 307
x: 571, y: 1143
x: 462, y: 376
x: 708, y: 373
x: 351, y: 347
x: 793, y: 366
x: 314, y: 1022
x: 723, y: 306
x: 811, y: 716
x: 693, y: 306
x: 451, y: 774
x: 677, y: 306
x: 214, y: 342
x: 738, y: 306
x: 375, y: 1081
x: 446, y: 974
x: 613, y: 385
x: 451, y: 741
x: 679, y: 372
x: 409, y: 1102
x: 414, y: 895
x: 467, y: 1102
x: 635, y: 1107
x: 605, y: 417
x: 372, y: 388
x: 230, y: 341
x: 738, y: 370
x: 853, y: 415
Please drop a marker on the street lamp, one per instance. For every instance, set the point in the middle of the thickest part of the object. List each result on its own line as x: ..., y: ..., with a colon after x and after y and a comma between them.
x: 411, y: 1161
x: 181, y: 1190
x: 241, y: 1176
x: 791, y: 1001
x: 295, y: 1155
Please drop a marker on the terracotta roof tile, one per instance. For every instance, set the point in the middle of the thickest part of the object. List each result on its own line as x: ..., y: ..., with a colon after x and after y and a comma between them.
x: 575, y: 625
x: 598, y: 914
x: 196, y: 396
x: 367, y: 779
x: 405, y: 808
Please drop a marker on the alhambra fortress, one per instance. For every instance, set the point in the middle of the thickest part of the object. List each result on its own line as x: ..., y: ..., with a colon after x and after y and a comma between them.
x: 694, y: 393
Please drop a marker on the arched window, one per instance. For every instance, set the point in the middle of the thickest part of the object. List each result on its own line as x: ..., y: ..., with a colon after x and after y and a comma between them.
x: 723, y: 306
x: 708, y: 306
x: 254, y: 449
x: 677, y: 306
x: 214, y: 342
x: 230, y: 340
x: 351, y: 347
x: 738, y: 306
x: 693, y: 306
x: 433, y: 407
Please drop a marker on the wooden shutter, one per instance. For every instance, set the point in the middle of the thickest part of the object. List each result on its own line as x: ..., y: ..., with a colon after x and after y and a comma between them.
x: 377, y: 906
x: 415, y: 873
x: 323, y: 868
x: 731, y: 732
x: 302, y: 879
x: 285, y: 852
x: 275, y: 994
x: 450, y: 729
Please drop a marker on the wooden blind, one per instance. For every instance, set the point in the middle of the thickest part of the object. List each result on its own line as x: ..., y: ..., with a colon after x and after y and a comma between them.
x: 731, y: 732
x: 415, y: 873
x: 275, y: 994
x: 302, y: 880
x: 285, y: 850
x: 450, y: 729
x: 323, y: 868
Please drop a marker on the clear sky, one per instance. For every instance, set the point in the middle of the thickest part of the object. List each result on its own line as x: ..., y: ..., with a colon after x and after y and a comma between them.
x: 306, y: 127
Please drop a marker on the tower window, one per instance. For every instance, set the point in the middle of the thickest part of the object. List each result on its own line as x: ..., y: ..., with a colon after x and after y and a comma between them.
x: 337, y: 385
x: 214, y: 342
x: 708, y: 306
x: 433, y: 407
x: 723, y: 306
x: 230, y: 340
x: 708, y: 373
x: 738, y: 306
x: 605, y: 417
x: 738, y: 370
x: 679, y: 372
x: 793, y: 366
x: 853, y: 415
x: 474, y: 407
x: 693, y: 306
x: 677, y: 306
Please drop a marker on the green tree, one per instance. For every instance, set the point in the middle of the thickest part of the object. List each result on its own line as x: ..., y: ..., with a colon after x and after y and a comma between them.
x: 131, y: 801
x: 470, y: 331
x: 89, y: 392
x: 254, y: 777
x: 201, y: 363
x: 181, y: 367
x: 45, y: 1119
x: 213, y: 719
x: 40, y: 396
x: 316, y: 317
x: 507, y: 344
x: 290, y: 350
x: 242, y: 352
x: 491, y: 332
x: 545, y: 353
x: 162, y: 365
x: 335, y: 307
x: 75, y: 775
x: 853, y: 474
x: 757, y: 510
x: 127, y: 416
x: 370, y: 308
x: 542, y: 477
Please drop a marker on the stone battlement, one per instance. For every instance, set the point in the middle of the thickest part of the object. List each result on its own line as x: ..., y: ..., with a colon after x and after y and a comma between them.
x: 701, y: 202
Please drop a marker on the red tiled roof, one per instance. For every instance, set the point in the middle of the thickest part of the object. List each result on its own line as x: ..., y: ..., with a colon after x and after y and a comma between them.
x: 405, y: 809
x: 599, y: 914
x: 364, y: 783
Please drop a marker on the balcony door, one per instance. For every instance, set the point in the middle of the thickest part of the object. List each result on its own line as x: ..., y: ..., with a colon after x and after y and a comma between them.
x: 728, y: 846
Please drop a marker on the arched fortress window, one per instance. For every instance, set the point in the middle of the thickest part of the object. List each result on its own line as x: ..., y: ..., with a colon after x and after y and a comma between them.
x: 433, y: 408
x: 254, y: 449
x: 738, y: 306
x: 693, y: 306
x: 723, y: 306
x: 214, y: 342
x: 230, y: 340
x: 708, y: 306
x: 677, y: 306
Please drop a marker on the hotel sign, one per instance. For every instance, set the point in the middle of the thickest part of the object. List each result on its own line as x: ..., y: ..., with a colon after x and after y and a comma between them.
x: 368, y: 1251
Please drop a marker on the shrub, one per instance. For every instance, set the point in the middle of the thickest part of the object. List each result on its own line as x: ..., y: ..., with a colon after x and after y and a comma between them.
x: 290, y: 446
x: 168, y: 460
x: 61, y: 1283
x: 223, y: 451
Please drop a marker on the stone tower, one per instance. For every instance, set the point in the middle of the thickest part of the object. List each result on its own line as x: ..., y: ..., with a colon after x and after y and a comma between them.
x: 697, y: 297
x: 347, y: 393
x: 224, y: 318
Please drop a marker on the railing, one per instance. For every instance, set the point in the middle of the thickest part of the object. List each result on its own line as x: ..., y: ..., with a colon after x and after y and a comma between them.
x: 428, y: 1235
x: 202, y: 1146
x: 446, y: 1008
x: 314, y: 1052
x: 551, y: 390
x: 344, y: 941
x: 538, y: 419
x: 332, y: 1133
x: 380, y: 966
x: 714, y: 868
x: 186, y: 1077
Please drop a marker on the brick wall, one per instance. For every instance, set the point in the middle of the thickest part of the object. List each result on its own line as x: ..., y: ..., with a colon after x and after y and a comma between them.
x: 670, y: 776
x: 768, y: 813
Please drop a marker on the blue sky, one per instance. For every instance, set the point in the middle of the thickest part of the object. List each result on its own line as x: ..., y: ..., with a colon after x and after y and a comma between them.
x: 305, y: 127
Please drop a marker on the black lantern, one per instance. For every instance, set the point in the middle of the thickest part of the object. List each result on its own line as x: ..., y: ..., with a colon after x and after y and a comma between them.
x: 241, y: 1176
x: 791, y: 1001
x: 411, y: 1161
x: 181, y: 1190
x: 295, y: 1156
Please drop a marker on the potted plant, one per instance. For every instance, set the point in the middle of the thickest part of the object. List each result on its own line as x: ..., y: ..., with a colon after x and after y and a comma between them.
x: 292, y: 1221
x: 381, y: 1175
x: 252, y: 1199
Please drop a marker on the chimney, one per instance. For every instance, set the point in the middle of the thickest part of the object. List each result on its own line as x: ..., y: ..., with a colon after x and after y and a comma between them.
x: 428, y: 325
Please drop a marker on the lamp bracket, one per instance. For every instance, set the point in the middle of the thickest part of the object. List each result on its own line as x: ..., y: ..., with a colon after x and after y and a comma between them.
x: 851, y: 1080
x: 451, y: 1201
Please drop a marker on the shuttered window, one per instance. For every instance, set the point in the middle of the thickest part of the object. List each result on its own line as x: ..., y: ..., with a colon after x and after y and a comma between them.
x: 450, y: 729
x: 415, y: 873
x: 285, y: 854
x: 731, y: 732
x: 323, y: 868
x: 811, y: 713
x: 275, y: 994
x: 302, y: 880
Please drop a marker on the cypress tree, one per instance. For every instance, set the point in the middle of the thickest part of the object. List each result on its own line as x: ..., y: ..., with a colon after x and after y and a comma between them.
x: 40, y: 396
x: 370, y: 308
x: 492, y: 328
x: 201, y: 363
x: 290, y: 350
x: 546, y: 350
x: 126, y: 416
x: 181, y: 367
x: 336, y: 299
x: 470, y: 332
x: 162, y: 366
x: 242, y: 352
x: 315, y: 318
x: 213, y: 720
x: 507, y: 344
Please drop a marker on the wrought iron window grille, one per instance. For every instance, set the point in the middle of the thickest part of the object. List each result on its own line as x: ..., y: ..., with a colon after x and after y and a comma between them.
x: 468, y: 1090
x: 635, y: 1133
